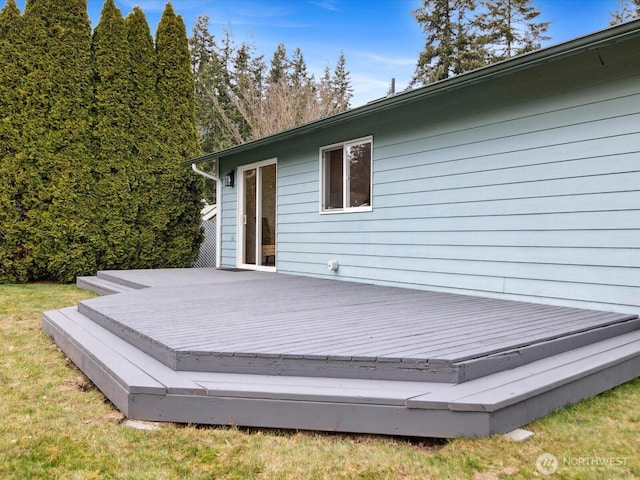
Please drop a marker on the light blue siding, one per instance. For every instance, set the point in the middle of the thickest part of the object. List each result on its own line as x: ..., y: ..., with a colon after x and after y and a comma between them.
x: 525, y: 187
x: 229, y: 226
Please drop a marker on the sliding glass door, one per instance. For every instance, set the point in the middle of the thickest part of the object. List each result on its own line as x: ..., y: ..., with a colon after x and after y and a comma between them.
x: 257, y: 216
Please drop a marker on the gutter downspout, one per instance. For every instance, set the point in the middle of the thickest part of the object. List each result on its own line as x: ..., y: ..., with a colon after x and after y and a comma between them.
x: 219, y: 214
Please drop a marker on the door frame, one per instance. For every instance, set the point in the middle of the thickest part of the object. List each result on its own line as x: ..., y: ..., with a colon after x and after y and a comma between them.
x: 240, y: 244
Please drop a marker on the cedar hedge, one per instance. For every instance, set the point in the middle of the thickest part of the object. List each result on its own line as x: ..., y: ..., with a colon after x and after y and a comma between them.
x: 93, y: 126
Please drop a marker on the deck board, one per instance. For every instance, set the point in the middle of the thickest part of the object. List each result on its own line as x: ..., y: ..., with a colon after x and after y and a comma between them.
x: 279, y: 319
x: 443, y: 365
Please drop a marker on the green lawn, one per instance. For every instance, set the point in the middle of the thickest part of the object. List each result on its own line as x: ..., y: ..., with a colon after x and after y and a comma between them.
x: 55, y: 424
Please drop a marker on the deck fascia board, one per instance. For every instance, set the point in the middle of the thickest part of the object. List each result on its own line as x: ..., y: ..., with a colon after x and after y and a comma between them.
x: 486, y: 365
x: 522, y: 412
x: 504, y: 388
x: 311, y: 415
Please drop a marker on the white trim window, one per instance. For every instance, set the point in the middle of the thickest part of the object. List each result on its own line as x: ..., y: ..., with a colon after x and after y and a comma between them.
x: 346, y: 176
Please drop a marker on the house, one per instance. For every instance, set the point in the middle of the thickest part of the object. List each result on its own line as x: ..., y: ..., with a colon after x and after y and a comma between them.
x: 519, y: 180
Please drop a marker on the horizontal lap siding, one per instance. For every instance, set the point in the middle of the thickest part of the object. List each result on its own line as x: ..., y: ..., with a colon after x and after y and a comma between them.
x: 532, y: 199
x: 228, y: 226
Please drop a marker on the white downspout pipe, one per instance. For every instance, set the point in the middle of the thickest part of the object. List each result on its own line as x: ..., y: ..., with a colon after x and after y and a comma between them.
x: 216, y: 179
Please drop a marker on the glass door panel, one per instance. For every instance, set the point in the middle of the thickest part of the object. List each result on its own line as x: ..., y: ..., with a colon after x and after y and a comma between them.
x: 267, y: 178
x: 257, y: 208
x: 250, y: 215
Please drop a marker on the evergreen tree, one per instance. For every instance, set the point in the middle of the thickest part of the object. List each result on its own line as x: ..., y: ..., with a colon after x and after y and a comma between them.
x: 279, y: 65
x: 298, y: 69
x: 206, y: 71
x: 179, y: 141
x: 115, y: 166
x: 14, y: 257
x: 210, y: 66
x: 145, y: 148
x: 58, y: 229
x: 340, y: 87
x: 452, y: 46
x: 202, y: 44
x: 626, y: 11
x: 247, y: 88
x: 509, y: 28
x: 11, y: 77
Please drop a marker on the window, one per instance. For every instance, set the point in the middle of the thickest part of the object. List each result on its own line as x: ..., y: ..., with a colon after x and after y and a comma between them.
x: 345, y: 176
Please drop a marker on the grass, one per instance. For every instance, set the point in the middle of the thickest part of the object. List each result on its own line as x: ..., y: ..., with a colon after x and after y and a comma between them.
x: 55, y: 424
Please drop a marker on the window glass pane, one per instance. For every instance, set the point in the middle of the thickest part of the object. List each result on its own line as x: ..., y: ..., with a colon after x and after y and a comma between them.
x: 333, y: 179
x: 268, y: 225
x: 359, y: 158
x: 250, y: 212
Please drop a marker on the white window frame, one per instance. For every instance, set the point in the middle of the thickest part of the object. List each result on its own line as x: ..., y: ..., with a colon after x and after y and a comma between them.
x: 345, y: 178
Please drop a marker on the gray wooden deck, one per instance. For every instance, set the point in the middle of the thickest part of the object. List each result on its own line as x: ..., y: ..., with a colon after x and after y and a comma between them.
x: 261, y: 349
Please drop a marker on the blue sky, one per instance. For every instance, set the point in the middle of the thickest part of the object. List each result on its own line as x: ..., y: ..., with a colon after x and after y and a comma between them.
x: 380, y: 38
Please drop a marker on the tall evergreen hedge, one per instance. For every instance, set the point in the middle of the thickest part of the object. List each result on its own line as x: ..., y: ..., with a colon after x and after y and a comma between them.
x: 91, y: 136
x: 151, y: 217
x: 178, y: 139
x: 56, y: 161
x: 116, y: 170
x: 14, y: 257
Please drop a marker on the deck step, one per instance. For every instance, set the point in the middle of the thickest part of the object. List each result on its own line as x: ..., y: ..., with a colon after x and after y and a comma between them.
x: 145, y: 389
x: 101, y: 286
x: 504, y: 389
x: 112, y: 276
x: 515, y: 357
x: 116, y: 367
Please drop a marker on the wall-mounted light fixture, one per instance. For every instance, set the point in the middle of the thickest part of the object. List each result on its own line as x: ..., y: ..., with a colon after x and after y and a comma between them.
x: 230, y: 178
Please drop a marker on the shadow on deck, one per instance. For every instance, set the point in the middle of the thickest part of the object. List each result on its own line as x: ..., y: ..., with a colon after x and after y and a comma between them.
x: 269, y: 350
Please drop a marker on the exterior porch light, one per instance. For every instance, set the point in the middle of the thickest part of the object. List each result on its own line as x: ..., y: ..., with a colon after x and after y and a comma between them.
x: 229, y: 178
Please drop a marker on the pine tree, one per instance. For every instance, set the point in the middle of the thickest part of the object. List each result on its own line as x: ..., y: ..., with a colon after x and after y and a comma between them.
x: 115, y: 169
x: 205, y: 69
x: 202, y: 44
x: 340, y: 87
x: 451, y: 45
x: 58, y: 228
x: 279, y: 65
x: 247, y: 90
x: 509, y: 28
x: 302, y: 87
x: 298, y: 69
x: 626, y: 11
x: 14, y: 258
x: 210, y: 64
x: 179, y: 140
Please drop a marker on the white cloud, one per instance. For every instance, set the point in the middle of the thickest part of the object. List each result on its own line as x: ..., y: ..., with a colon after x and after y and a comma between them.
x: 330, y: 5
x: 391, y: 61
x: 367, y: 88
